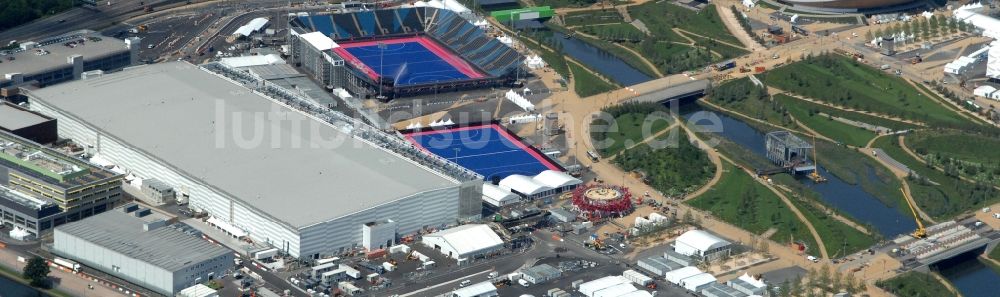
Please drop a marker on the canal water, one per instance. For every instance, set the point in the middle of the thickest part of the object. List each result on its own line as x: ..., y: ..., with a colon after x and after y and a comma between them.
x: 11, y: 288
x: 968, y: 274
x: 847, y: 198
x: 597, y: 59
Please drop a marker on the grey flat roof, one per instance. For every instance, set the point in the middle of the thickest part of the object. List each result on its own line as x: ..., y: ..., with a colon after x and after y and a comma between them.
x: 164, y: 247
x: 169, y: 111
x: 27, y: 62
x: 13, y: 118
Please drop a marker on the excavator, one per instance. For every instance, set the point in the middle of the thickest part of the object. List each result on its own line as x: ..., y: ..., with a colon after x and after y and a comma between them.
x: 921, y: 232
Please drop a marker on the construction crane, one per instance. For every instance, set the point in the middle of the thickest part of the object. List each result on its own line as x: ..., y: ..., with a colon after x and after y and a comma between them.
x: 815, y: 174
x: 920, y: 232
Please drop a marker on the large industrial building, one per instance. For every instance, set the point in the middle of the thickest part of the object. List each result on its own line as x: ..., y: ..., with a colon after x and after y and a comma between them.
x: 65, y: 57
x: 305, y: 185
x: 853, y: 5
x: 389, y: 53
x: 141, y: 246
x: 27, y: 124
x: 43, y: 188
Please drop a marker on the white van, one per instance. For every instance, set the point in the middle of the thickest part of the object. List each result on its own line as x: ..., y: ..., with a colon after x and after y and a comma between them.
x: 465, y: 283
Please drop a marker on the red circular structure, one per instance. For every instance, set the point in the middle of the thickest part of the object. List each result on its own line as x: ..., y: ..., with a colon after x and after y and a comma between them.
x: 602, y: 201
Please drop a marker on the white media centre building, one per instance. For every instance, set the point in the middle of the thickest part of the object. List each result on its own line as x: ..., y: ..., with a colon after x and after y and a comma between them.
x: 297, y: 188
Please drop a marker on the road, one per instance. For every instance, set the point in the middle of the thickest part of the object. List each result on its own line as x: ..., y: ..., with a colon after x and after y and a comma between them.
x: 85, y: 17
x: 65, y: 281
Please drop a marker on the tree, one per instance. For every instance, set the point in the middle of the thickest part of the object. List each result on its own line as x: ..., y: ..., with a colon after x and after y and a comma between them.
x: 37, y: 272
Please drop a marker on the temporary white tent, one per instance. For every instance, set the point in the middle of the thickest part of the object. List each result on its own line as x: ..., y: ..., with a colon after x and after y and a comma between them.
x: 523, y: 184
x: 696, y: 282
x: 556, y: 179
x: 676, y: 276
x: 251, y: 27
x: 590, y: 288
x: 498, y: 197
x: 464, y: 241
x: 970, y: 14
x: 698, y: 243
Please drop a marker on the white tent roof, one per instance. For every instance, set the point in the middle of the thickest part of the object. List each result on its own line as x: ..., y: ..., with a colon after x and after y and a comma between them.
x: 589, y: 288
x: 247, y: 61
x: 693, y: 282
x: 468, y: 238
x: 253, y: 26
x: 556, y: 179
x: 676, y: 276
x: 477, y: 289
x: 984, y: 90
x: 616, y: 290
x: 637, y: 293
x: 701, y: 240
x: 198, y: 290
x: 226, y: 226
x: 497, y: 195
x: 752, y: 281
x: 523, y: 184
x: 320, y: 41
x: 970, y: 14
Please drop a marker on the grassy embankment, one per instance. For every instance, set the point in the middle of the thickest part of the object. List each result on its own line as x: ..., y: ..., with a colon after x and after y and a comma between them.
x: 844, y: 82
x: 971, y: 155
x: 741, y: 201
x: 630, y: 121
x: 586, y: 83
x: 939, y: 195
x: 912, y: 284
x: 666, y: 49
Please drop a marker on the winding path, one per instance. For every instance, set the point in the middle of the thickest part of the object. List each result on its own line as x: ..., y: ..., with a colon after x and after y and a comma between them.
x: 711, y: 152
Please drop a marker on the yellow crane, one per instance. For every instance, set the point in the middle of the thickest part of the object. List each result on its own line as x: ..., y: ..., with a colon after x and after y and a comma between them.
x: 920, y: 232
x: 815, y: 174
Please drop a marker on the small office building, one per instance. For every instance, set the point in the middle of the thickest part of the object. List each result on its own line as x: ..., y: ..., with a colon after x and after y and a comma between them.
x: 142, y: 247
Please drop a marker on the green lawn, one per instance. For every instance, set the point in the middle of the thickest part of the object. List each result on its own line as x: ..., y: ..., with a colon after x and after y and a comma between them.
x: 727, y: 52
x: 827, y: 126
x: 614, y: 32
x: 966, y: 146
x: 661, y: 16
x: 969, y: 154
x: 915, y: 284
x: 940, y: 196
x: 842, y: 81
x: 791, y: 103
x: 750, y: 100
x: 741, y: 201
x: 629, y: 128
x: 593, y: 17
x: 555, y: 60
x: 587, y: 84
x: 839, y: 238
x: 672, y: 170
x: 565, y: 3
